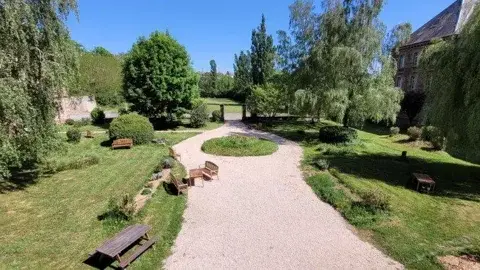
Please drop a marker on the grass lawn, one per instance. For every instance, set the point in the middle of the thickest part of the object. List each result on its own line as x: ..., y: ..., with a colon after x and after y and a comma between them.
x: 418, y: 227
x: 214, y: 104
x: 52, y: 223
x: 239, y: 146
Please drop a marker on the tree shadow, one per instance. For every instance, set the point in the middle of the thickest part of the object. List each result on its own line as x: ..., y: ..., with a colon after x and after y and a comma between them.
x: 379, y: 129
x: 19, y: 180
x: 452, y: 180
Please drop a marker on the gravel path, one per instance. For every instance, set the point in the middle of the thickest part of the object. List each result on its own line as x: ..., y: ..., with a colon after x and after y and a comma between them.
x: 262, y: 215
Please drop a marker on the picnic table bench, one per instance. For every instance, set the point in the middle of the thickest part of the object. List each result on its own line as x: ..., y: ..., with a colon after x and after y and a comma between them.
x: 125, y: 240
x: 122, y: 143
x: 423, y: 181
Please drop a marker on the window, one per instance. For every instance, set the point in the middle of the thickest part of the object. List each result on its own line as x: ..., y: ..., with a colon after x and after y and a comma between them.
x: 415, y: 59
x: 413, y: 82
x: 401, y: 61
x: 399, y: 82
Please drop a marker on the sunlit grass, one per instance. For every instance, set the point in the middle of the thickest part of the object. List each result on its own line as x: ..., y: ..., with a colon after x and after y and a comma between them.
x: 239, y: 146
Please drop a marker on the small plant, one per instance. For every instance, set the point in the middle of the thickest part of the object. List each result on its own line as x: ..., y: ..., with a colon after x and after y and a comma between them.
x: 394, y: 131
x: 217, y: 116
x: 414, y: 133
x: 439, y: 142
x: 322, y: 164
x: 168, y: 163
x: 430, y: 132
x: 199, y: 114
x: 146, y: 191
x: 98, y: 116
x: 74, y: 135
x: 122, y: 209
x: 376, y: 200
x: 337, y: 134
x: 70, y: 122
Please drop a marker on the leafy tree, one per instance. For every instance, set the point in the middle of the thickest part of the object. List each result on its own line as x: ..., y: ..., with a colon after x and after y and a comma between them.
x: 213, y: 75
x: 307, y: 104
x: 158, y: 78
x: 265, y: 100
x: 263, y: 54
x: 397, y: 37
x: 101, y: 51
x: 451, y: 75
x: 243, y: 75
x: 37, y: 60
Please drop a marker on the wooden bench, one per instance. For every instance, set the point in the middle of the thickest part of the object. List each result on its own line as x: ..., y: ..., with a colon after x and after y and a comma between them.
x: 174, y: 154
x: 181, y: 187
x: 122, y: 143
x: 210, y: 170
x: 124, y: 241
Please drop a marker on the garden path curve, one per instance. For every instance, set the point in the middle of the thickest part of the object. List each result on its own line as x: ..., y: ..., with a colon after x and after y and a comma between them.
x: 262, y: 215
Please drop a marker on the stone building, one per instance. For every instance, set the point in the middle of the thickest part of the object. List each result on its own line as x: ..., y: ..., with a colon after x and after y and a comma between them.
x: 445, y: 25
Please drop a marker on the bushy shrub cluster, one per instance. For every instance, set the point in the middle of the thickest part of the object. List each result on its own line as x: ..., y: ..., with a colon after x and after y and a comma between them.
x: 414, y: 133
x: 98, y: 116
x: 168, y: 163
x: 132, y: 126
x: 217, y: 116
x: 337, y: 134
x: 376, y: 200
x: 394, y: 131
x: 322, y: 164
x: 74, y: 135
x: 122, y: 209
x: 199, y: 114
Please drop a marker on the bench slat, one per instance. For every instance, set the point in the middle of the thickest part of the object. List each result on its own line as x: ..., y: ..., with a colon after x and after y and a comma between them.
x: 122, y: 240
x: 139, y: 252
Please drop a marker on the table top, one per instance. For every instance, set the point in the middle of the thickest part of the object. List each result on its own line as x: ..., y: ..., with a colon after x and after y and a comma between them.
x: 123, y: 239
x: 196, y: 172
x: 423, y: 178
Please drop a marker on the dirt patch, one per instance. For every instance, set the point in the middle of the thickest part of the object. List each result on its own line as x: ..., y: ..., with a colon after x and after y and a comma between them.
x: 465, y: 262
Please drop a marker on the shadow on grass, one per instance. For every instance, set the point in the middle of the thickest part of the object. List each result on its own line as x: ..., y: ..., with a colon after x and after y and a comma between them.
x: 19, y: 180
x: 452, y: 180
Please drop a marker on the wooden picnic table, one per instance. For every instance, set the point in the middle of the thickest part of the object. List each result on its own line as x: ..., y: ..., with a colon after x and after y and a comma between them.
x: 423, y: 180
x: 124, y: 240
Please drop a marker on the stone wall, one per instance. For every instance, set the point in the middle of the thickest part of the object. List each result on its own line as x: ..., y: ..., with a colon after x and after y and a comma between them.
x: 75, y: 108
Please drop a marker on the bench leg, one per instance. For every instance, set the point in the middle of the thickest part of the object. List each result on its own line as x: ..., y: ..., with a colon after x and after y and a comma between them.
x: 117, y: 257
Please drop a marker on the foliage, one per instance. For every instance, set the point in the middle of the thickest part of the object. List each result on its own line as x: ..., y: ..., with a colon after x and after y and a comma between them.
x: 168, y: 163
x: 70, y: 122
x: 262, y: 54
x: 242, y: 75
x: 397, y: 37
x: 217, y: 116
x: 51, y: 166
x: 122, y: 209
x: 265, y: 100
x: 337, y: 134
x: 439, y: 142
x: 307, y: 104
x: 413, y: 103
x: 322, y: 164
x: 101, y: 51
x: 394, y: 131
x: 74, y: 135
x: 98, y: 116
x: 158, y: 78
x: 414, y: 133
x: 37, y: 61
x: 146, y: 191
x: 223, y: 87
x: 450, y: 71
x: 81, y: 123
x: 123, y: 111
x: 133, y: 126
x: 239, y: 146
x: 199, y: 114
x: 101, y: 76
x: 430, y: 132
x: 324, y: 187
x: 376, y: 200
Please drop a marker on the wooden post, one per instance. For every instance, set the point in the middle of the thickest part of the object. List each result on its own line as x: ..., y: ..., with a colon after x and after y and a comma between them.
x: 244, y: 112
x: 222, y: 111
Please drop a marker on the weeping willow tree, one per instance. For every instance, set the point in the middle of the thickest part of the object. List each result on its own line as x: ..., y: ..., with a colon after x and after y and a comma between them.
x: 37, y: 61
x: 451, y: 73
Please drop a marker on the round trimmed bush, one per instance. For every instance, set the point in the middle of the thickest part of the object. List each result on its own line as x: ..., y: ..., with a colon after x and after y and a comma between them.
x: 132, y: 126
x: 98, y: 116
x: 74, y: 135
x: 429, y: 133
x: 394, y: 131
x: 216, y: 116
x: 439, y: 142
x: 239, y: 146
x: 414, y: 133
x: 337, y: 134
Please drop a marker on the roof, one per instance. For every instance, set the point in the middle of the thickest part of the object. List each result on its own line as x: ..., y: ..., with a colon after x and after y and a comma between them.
x: 449, y: 22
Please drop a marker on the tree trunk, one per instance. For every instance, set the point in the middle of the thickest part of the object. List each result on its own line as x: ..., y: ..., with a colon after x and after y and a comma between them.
x: 345, y: 117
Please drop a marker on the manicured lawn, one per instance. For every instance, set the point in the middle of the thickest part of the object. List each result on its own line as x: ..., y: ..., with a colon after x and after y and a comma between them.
x: 53, y: 223
x: 239, y: 146
x: 214, y: 104
x: 418, y: 227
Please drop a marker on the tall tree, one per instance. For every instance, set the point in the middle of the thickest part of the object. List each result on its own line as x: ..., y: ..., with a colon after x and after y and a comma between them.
x: 101, y: 51
x: 262, y: 54
x: 242, y: 75
x: 37, y: 60
x: 158, y: 78
x: 397, y: 37
x: 213, y: 76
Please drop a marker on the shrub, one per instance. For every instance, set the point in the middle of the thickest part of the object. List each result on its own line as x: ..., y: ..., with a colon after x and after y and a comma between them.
x: 414, y: 133
x: 337, y: 134
x: 146, y: 191
x: 74, y: 135
x: 322, y: 164
x: 123, y: 111
x: 199, y: 114
x: 98, y: 116
x: 70, y: 122
x: 217, y: 116
x: 439, y: 142
x: 376, y: 200
x: 168, y: 163
x: 430, y: 132
x: 54, y: 166
x: 394, y: 131
x: 132, y: 126
x: 82, y: 122
x: 122, y: 209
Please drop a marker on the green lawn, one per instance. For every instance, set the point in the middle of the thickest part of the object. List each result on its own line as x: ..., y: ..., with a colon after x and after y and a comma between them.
x: 214, y: 104
x: 239, y: 146
x: 418, y: 227
x: 52, y: 223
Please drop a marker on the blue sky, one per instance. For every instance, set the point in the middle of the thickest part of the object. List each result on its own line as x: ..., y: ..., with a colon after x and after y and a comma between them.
x: 210, y: 29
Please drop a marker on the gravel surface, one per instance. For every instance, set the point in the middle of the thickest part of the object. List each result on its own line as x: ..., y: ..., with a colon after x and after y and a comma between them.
x: 262, y: 215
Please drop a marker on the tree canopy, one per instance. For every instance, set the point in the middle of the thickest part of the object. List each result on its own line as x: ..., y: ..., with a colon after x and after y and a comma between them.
x: 38, y: 61
x: 158, y: 77
x: 243, y: 75
x: 262, y: 54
